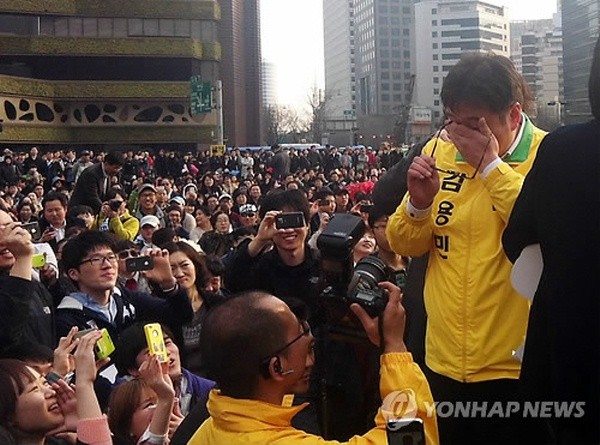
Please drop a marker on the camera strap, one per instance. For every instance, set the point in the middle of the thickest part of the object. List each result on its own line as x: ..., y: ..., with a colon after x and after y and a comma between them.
x: 381, y: 336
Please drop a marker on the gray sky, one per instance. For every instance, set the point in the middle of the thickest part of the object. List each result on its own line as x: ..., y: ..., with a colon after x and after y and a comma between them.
x: 292, y: 39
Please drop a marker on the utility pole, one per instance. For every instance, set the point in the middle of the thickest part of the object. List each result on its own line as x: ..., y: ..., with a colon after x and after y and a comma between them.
x: 219, y: 108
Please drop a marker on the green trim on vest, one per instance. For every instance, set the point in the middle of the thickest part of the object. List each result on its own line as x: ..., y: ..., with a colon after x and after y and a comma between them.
x: 521, y: 151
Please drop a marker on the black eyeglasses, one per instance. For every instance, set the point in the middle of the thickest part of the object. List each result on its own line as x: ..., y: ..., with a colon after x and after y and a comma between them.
x: 129, y: 253
x: 248, y: 214
x: 99, y: 261
x: 305, y: 333
x: 449, y: 172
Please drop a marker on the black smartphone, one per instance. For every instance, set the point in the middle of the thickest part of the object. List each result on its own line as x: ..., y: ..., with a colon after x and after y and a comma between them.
x: 290, y: 220
x: 34, y: 230
x: 139, y: 263
x: 405, y: 432
x: 53, y: 377
x: 366, y: 208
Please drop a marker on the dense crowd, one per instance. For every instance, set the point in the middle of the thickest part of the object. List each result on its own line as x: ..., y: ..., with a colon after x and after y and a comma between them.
x: 281, y: 296
x: 196, y: 216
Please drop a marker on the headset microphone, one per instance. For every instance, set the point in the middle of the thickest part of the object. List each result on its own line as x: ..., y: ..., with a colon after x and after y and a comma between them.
x: 289, y: 371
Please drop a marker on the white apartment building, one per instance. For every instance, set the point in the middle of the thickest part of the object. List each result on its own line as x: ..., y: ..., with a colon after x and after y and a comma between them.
x: 537, y: 52
x: 368, y: 65
x: 269, y: 83
x: 444, y: 31
x: 340, y: 77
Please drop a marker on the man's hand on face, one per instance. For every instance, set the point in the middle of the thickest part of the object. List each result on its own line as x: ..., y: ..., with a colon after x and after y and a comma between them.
x: 16, y: 239
x: 478, y: 146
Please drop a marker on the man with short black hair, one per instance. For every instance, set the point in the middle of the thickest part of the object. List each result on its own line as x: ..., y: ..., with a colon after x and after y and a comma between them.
x: 326, y: 204
x: 95, y: 181
x: 54, y: 219
x: 287, y: 269
x: 280, y: 162
x: 90, y: 260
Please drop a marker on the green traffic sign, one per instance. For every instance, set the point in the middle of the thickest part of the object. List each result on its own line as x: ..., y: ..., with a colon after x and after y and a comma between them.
x: 201, y: 96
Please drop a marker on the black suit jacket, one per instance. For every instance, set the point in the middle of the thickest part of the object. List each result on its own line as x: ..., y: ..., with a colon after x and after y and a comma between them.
x: 89, y: 189
x: 559, y: 208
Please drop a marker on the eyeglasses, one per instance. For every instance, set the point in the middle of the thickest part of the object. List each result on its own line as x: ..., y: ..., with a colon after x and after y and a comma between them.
x: 99, y: 261
x: 441, y: 170
x: 129, y: 253
x: 248, y: 214
x: 305, y: 333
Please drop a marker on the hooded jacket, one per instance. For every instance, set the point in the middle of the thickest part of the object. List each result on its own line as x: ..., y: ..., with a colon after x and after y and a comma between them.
x: 78, y: 309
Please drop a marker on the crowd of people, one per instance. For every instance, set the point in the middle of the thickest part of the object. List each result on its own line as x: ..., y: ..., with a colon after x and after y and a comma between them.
x: 99, y: 245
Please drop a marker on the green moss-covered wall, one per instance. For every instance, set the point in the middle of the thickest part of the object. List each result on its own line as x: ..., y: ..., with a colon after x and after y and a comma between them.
x: 16, y: 86
x: 175, y: 9
x: 131, y: 46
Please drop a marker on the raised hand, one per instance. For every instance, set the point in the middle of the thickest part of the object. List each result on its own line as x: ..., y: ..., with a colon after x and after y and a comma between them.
x: 161, y: 272
x: 478, y: 146
x: 394, y: 321
x: 423, y: 181
x: 63, y: 360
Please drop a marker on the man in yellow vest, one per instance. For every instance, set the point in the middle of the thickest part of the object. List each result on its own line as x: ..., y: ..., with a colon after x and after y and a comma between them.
x: 461, y: 190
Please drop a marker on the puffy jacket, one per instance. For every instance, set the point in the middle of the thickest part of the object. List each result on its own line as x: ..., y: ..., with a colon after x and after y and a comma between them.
x: 125, y: 227
x: 239, y: 421
x: 475, y: 318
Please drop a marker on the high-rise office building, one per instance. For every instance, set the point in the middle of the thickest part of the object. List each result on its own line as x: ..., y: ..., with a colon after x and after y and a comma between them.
x: 340, y: 70
x: 446, y: 30
x: 106, y: 73
x: 368, y: 63
x: 269, y: 83
x: 536, y: 50
x: 580, y: 25
x: 240, y: 70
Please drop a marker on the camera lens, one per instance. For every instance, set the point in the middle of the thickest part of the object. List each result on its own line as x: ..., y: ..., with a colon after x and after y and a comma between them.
x: 371, y: 271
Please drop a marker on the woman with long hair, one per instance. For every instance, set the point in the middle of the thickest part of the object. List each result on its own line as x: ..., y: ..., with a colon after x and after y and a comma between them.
x: 190, y: 271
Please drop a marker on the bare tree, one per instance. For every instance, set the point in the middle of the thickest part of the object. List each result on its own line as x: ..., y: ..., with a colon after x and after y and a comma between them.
x: 273, y: 128
x: 284, y: 124
x: 317, y: 103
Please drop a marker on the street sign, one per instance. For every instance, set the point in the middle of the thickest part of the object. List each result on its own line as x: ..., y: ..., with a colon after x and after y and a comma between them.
x: 201, y: 96
x: 217, y: 150
x: 349, y: 112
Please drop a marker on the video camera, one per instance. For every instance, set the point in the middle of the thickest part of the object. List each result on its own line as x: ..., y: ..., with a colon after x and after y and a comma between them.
x: 343, y: 284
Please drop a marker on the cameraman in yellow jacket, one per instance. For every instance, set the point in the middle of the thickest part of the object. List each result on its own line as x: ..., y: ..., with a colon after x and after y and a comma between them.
x: 258, y: 351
